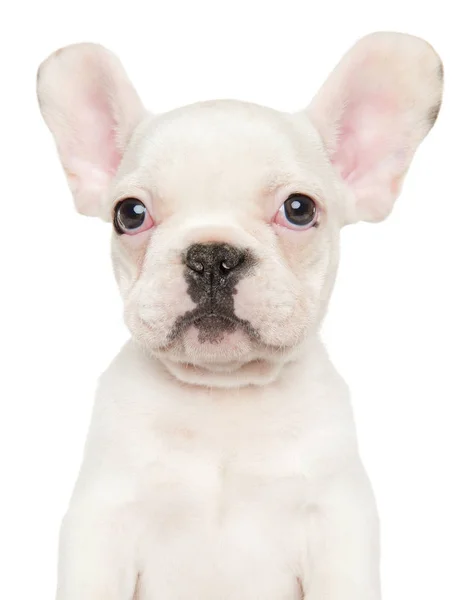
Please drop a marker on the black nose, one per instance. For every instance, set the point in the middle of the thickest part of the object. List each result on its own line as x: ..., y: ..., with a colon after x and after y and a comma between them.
x: 215, y: 261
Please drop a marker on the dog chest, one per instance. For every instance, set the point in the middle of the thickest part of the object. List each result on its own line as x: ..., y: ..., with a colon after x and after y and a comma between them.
x: 229, y: 526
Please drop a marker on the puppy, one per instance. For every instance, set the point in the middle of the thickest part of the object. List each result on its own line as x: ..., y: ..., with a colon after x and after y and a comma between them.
x: 221, y: 461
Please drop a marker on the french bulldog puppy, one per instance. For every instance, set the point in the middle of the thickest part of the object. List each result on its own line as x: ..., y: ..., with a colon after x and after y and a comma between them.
x: 221, y: 462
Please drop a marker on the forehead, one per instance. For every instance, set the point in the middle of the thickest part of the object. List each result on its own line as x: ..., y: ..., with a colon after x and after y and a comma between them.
x: 226, y: 150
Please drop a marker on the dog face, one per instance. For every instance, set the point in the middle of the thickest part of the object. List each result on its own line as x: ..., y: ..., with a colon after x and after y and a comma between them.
x: 227, y: 215
x: 236, y: 249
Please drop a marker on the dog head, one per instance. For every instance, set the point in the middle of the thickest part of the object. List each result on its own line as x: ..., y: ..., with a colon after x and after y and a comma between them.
x: 226, y: 215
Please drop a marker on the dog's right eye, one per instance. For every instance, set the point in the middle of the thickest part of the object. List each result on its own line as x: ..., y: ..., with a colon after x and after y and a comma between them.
x: 131, y: 216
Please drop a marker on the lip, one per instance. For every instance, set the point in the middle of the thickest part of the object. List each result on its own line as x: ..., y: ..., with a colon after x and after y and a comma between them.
x: 198, y: 318
x: 215, y: 316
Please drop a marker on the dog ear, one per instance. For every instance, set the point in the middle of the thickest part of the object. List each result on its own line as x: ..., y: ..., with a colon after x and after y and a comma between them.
x: 372, y: 113
x: 91, y: 109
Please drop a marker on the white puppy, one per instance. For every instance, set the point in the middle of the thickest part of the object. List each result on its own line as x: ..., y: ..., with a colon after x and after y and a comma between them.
x: 221, y: 462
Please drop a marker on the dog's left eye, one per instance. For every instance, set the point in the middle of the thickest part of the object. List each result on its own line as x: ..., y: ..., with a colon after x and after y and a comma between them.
x: 298, y: 212
x: 131, y: 216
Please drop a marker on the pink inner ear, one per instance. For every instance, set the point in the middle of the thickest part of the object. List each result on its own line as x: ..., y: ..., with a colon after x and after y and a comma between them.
x: 113, y: 156
x: 366, y: 129
x: 101, y: 133
x: 93, y: 150
x: 92, y: 156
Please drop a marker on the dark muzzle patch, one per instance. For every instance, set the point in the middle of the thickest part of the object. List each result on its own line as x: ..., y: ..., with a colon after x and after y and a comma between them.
x: 212, y: 272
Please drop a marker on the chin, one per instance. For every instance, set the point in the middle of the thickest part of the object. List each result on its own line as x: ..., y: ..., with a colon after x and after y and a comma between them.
x: 214, y: 342
x: 221, y: 353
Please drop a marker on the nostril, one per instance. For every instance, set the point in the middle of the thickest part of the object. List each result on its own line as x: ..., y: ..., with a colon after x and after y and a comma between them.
x: 196, y: 266
x: 195, y: 259
x: 224, y: 267
x: 231, y: 262
x: 214, y: 258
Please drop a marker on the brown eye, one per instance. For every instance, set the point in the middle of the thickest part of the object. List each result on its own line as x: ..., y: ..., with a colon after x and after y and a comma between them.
x: 131, y: 216
x: 298, y: 212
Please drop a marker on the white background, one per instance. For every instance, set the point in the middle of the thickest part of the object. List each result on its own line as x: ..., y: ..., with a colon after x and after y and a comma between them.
x: 395, y: 327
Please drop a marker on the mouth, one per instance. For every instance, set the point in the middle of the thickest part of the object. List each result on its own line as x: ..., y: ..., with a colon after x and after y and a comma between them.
x: 211, y: 325
x: 210, y: 347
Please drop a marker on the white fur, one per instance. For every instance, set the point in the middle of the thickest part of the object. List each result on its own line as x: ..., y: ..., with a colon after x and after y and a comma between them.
x: 230, y: 470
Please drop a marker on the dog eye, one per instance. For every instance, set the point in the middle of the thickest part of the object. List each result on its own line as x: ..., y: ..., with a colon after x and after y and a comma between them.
x: 298, y: 212
x: 131, y: 216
